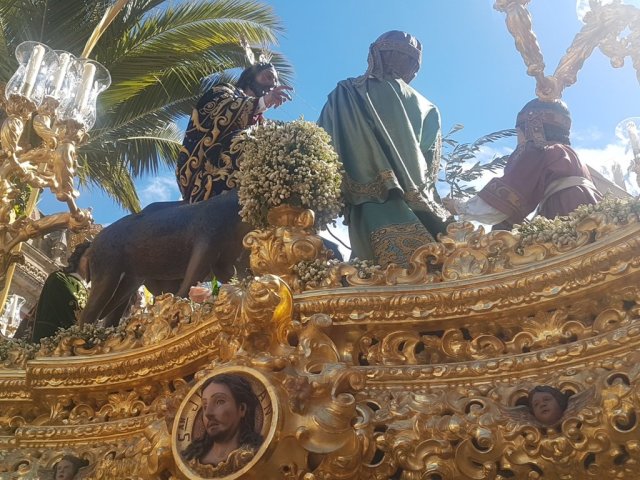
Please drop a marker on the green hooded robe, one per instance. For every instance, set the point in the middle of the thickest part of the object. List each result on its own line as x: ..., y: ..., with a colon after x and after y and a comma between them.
x: 388, y: 138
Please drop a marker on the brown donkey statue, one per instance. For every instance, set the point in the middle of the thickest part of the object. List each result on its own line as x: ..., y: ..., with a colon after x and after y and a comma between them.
x: 168, y: 247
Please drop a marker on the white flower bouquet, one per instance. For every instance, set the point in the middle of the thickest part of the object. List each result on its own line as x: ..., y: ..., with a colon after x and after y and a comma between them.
x: 289, y: 163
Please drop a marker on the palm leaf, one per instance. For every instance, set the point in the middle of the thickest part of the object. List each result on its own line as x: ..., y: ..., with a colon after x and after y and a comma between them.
x: 146, y: 152
x: 457, y: 155
x: 102, y: 169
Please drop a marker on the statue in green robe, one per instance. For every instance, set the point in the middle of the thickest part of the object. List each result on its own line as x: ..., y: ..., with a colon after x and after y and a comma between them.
x: 63, y: 296
x: 388, y: 138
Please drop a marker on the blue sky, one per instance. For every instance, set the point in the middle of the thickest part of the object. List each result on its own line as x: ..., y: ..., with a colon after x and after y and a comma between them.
x: 471, y: 71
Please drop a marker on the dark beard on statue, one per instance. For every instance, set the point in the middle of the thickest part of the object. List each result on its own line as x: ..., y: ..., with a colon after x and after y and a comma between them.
x: 259, y: 90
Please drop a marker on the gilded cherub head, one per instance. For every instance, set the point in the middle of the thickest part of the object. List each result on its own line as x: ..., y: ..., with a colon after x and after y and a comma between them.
x: 547, y: 404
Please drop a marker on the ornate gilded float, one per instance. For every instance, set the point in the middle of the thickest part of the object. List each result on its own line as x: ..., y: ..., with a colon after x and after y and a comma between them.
x: 363, y: 373
x: 409, y: 373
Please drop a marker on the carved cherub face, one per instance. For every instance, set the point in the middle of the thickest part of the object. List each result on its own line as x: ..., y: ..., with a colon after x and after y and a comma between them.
x: 65, y: 470
x: 546, y: 408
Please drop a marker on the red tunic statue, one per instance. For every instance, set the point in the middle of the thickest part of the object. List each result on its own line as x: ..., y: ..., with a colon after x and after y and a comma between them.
x: 551, y: 178
x: 543, y: 173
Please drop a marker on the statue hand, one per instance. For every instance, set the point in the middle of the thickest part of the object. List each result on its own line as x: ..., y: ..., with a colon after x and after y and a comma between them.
x: 277, y: 96
x: 450, y: 204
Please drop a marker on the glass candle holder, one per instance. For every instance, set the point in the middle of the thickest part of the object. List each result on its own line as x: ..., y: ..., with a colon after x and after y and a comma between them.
x: 36, y: 64
x: 87, y: 79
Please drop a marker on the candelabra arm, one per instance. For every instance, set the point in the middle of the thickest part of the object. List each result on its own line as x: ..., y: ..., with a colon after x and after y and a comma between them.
x: 603, y: 27
x: 518, y: 20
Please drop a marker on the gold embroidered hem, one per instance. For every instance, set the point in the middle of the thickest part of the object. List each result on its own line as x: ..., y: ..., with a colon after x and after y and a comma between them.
x: 505, y: 198
x: 418, y: 201
x: 396, y: 243
x: 236, y: 460
x: 376, y: 189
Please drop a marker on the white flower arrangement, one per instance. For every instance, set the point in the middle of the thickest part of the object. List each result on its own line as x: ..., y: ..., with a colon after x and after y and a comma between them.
x: 562, y: 230
x: 289, y: 163
x: 312, y: 274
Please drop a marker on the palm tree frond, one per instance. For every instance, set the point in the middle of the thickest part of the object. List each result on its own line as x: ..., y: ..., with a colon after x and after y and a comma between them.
x: 102, y: 169
x: 161, y: 54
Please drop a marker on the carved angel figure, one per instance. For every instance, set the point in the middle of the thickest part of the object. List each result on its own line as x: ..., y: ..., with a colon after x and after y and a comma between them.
x: 549, y: 407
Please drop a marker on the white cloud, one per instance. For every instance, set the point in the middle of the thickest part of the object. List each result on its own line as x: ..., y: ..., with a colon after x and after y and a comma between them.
x: 591, y: 134
x: 159, y: 189
x: 603, y: 159
x: 582, y: 6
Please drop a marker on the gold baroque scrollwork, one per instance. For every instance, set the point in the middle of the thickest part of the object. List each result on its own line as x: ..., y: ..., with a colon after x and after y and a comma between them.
x: 258, y: 317
x: 469, y: 433
x: 289, y: 241
x: 561, y: 275
x: 374, y: 381
x: 466, y: 252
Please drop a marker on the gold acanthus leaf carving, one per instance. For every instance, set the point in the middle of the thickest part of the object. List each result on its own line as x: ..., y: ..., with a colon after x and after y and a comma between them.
x: 259, y: 316
x: 499, y: 338
x: 330, y: 425
x: 468, y: 433
x: 289, y: 241
x: 467, y: 252
x: 168, y: 317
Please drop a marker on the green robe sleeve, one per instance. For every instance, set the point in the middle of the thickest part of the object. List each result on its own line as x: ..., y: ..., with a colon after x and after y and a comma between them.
x: 62, y: 299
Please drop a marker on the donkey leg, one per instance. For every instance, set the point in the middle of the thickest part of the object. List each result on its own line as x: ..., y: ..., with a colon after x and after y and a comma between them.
x: 118, y: 302
x: 102, y: 287
x: 198, y: 267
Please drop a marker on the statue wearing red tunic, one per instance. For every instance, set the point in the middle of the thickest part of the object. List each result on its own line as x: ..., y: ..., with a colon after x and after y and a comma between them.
x: 543, y: 173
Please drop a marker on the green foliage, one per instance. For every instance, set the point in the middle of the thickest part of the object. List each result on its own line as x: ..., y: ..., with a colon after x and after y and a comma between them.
x: 456, y: 157
x: 20, y: 203
x: 158, y: 52
x: 8, y: 345
x: 215, y: 286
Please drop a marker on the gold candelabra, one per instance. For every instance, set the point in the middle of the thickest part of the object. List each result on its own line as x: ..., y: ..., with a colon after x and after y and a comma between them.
x: 52, y: 94
x: 612, y: 27
x: 604, y: 27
